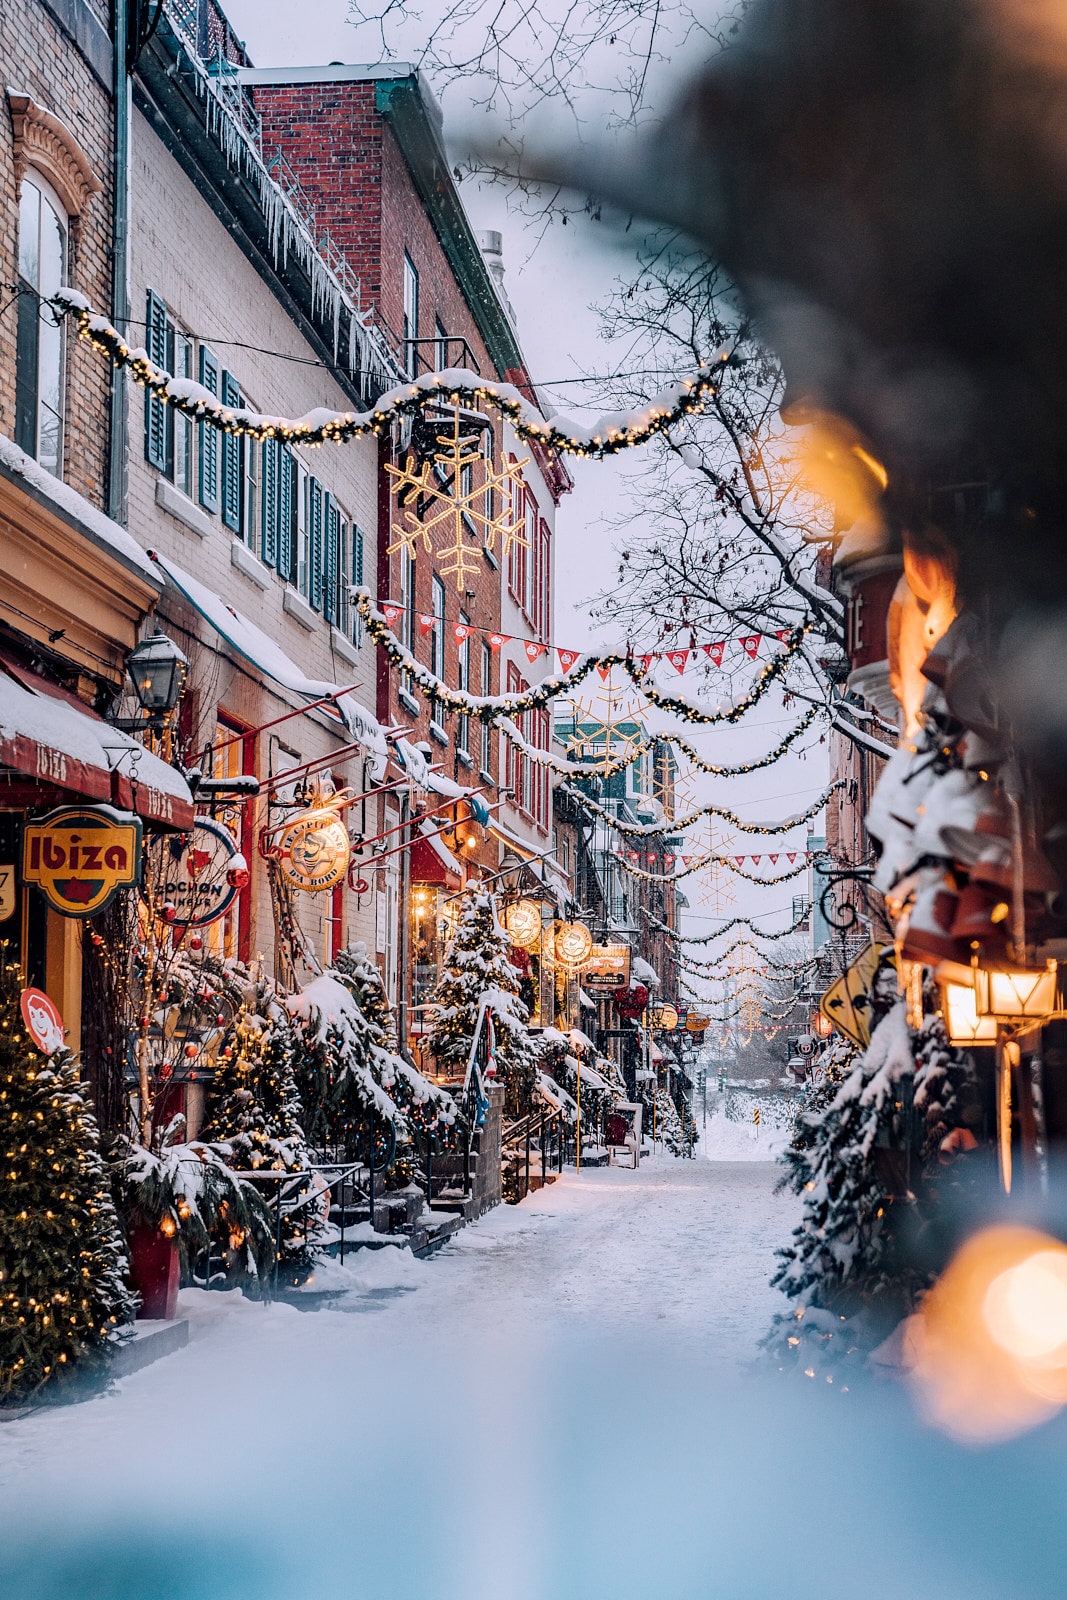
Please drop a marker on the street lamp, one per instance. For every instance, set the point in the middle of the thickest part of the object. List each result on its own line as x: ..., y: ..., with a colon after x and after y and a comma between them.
x: 157, y: 669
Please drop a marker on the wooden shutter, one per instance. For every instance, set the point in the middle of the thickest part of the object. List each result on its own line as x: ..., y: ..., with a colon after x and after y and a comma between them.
x: 286, y: 520
x: 357, y: 554
x: 231, y: 460
x: 315, y: 544
x: 155, y: 412
x: 332, y: 561
x: 209, y: 438
x: 269, y: 531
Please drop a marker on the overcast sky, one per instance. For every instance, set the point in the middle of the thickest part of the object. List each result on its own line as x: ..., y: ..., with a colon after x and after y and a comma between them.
x: 554, y: 281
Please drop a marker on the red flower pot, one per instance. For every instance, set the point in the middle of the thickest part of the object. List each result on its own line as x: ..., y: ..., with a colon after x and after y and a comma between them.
x: 154, y: 1271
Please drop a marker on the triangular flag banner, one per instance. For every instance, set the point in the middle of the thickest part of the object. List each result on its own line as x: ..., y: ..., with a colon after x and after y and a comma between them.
x: 533, y: 649
x: 750, y: 643
x: 668, y: 861
x: 773, y: 859
x: 605, y: 673
x: 687, y: 861
x: 756, y: 860
x: 783, y: 634
x: 790, y: 856
x: 462, y: 631
x: 390, y: 613
x: 498, y: 639
x: 714, y: 651
x: 646, y: 662
x: 678, y: 659
x: 740, y: 860
x: 635, y: 855
x: 426, y: 622
x: 567, y: 658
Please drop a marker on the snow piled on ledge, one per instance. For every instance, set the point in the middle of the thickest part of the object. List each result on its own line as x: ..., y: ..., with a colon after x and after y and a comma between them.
x: 74, y: 507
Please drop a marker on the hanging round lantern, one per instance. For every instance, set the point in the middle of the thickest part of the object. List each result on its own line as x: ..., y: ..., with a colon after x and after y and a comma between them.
x: 630, y: 1002
x: 522, y: 920
x: 573, y: 944
x: 314, y: 850
x: 665, y: 1017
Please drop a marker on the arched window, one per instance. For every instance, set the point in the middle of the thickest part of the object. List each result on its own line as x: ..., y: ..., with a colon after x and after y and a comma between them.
x: 42, y: 266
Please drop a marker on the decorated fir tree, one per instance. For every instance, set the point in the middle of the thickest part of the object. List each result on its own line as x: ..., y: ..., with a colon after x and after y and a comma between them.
x: 62, y: 1263
x: 477, y: 975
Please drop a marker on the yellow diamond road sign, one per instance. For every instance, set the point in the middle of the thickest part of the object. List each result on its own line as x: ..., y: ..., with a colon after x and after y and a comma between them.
x: 847, y: 1002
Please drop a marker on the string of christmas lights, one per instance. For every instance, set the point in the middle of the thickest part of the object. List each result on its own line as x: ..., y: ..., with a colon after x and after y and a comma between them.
x: 746, y: 767
x: 488, y: 707
x: 457, y: 386
x: 652, y: 830
x: 727, y: 927
x: 705, y: 861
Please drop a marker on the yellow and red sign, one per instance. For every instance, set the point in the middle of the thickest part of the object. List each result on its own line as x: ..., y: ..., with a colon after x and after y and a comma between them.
x: 43, y: 1020
x: 314, y: 850
x: 80, y: 857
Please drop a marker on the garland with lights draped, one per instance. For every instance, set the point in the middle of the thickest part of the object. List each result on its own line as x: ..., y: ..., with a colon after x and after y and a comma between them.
x: 708, y: 861
x: 653, y: 830
x: 488, y: 707
x: 606, y: 437
x: 62, y: 1261
x: 727, y: 927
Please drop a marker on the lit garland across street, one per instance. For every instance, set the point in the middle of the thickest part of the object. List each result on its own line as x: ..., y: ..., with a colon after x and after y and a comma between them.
x: 740, y: 771
x: 605, y: 438
x: 704, y: 861
x: 727, y: 927
x: 487, y: 707
x: 652, y: 830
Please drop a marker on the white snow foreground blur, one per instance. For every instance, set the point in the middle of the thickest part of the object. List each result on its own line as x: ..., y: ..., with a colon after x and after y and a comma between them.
x: 555, y: 1406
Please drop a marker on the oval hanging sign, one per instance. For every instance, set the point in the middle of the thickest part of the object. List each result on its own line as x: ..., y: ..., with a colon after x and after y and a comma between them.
x: 194, y: 877
x: 314, y: 850
x: 42, y: 1019
x: 81, y: 856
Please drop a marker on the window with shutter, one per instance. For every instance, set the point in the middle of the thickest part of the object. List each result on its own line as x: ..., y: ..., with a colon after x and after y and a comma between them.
x: 357, y: 554
x: 155, y: 427
x: 314, y: 585
x: 209, y: 438
x: 232, y: 485
x: 269, y: 517
x: 286, y: 534
x: 331, y: 568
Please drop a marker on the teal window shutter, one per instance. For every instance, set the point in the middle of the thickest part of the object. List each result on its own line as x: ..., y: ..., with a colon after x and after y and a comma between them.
x: 232, y: 476
x: 209, y: 437
x: 269, y: 531
x: 155, y: 422
x: 331, y: 575
x: 286, y: 527
x: 315, y: 544
x: 357, y: 554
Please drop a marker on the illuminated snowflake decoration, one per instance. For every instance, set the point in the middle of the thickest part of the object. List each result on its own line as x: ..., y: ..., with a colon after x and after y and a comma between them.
x: 606, y: 730
x: 715, y: 886
x: 445, y: 502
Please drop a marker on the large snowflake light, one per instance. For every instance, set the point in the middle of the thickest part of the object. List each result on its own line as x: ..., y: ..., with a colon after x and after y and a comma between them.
x: 606, y: 729
x: 446, y: 500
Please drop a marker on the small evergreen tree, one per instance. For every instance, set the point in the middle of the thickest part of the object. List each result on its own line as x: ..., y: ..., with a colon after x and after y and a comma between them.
x: 62, y: 1263
x: 477, y: 972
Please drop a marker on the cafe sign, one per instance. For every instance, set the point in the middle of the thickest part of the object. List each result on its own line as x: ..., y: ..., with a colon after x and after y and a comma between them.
x: 606, y: 971
x: 80, y: 857
x: 193, y: 878
x: 314, y: 850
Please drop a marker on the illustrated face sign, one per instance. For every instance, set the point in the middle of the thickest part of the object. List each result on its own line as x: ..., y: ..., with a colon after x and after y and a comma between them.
x: 42, y: 1019
x: 607, y: 970
x: 314, y: 850
x: 191, y: 874
x: 80, y: 857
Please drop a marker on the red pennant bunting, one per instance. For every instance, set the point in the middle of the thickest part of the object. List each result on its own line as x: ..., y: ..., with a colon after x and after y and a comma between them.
x: 740, y: 860
x: 773, y: 860
x: 790, y: 856
x: 426, y: 622
x: 390, y: 613
x: 668, y: 861
x: 462, y: 631
x: 715, y: 651
x: 756, y: 860
x: 750, y: 643
x: 533, y: 649
x: 605, y: 673
x: 687, y: 861
x: 567, y: 658
x: 678, y: 659
x: 635, y: 855
x: 783, y: 634
x: 646, y: 662
x: 496, y: 640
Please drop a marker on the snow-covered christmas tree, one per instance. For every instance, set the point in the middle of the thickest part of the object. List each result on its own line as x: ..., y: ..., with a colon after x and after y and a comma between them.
x: 62, y: 1261
x: 477, y: 976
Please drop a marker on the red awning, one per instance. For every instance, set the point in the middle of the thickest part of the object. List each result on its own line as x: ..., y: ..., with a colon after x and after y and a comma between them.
x: 50, y: 737
x: 433, y: 863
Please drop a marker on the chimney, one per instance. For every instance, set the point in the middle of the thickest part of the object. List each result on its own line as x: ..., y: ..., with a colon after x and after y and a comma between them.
x: 492, y: 247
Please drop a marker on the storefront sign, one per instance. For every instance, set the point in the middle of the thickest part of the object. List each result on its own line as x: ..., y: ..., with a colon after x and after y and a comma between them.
x: 607, y: 969
x: 314, y: 850
x: 80, y: 857
x: 42, y: 1019
x: 695, y: 1023
x: 847, y: 1002
x: 665, y: 1017
x: 191, y: 876
x: 8, y: 891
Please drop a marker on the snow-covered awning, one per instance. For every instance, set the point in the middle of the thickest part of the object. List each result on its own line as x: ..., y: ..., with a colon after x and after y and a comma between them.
x: 432, y: 861
x: 642, y: 971
x: 48, y: 735
x: 260, y: 650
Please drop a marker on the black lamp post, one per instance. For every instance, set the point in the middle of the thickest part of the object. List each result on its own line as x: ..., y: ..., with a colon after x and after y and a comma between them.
x: 157, y: 669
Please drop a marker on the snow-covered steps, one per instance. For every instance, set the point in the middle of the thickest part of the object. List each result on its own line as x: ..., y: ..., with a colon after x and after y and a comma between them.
x: 149, y: 1341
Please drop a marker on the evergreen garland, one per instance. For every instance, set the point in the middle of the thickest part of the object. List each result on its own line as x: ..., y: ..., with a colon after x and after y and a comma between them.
x: 62, y: 1264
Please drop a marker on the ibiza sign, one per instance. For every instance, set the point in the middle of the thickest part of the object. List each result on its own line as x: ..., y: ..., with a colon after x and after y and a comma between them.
x: 80, y: 857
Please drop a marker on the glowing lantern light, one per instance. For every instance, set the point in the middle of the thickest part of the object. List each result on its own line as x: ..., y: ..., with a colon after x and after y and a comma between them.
x: 959, y: 1007
x: 522, y: 919
x: 665, y: 1017
x: 573, y: 944
x: 1016, y: 994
